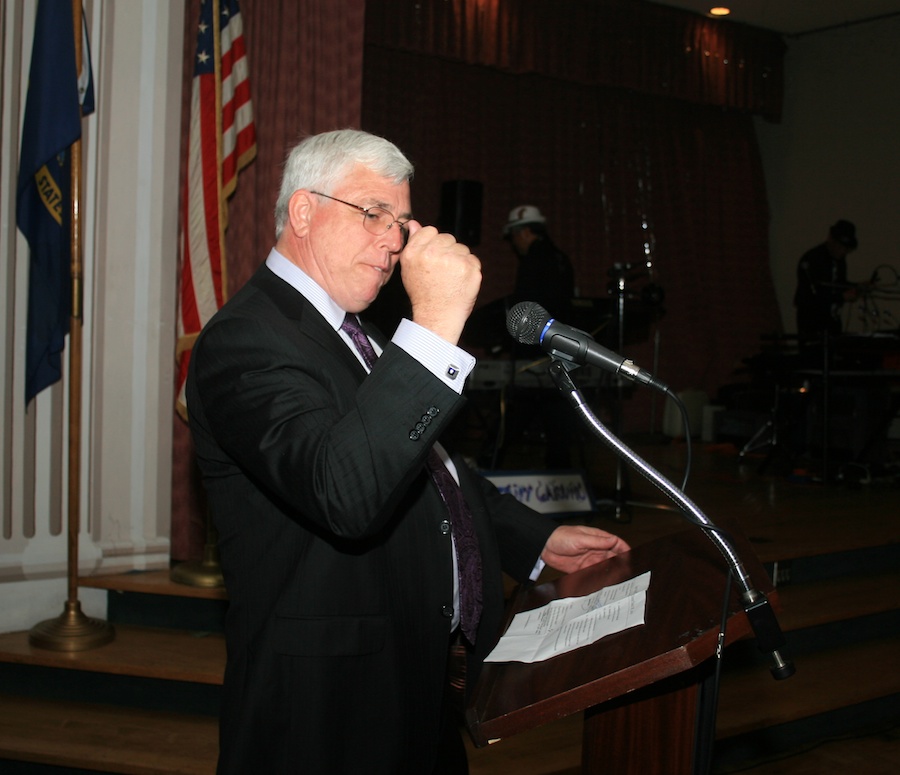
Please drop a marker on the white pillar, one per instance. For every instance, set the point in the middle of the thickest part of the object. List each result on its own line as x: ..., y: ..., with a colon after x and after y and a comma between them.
x: 131, y: 147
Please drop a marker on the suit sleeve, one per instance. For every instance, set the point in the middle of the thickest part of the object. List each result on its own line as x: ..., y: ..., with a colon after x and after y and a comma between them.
x: 293, y: 409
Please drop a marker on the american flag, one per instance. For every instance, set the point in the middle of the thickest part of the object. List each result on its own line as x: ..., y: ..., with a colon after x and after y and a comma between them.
x: 222, y: 141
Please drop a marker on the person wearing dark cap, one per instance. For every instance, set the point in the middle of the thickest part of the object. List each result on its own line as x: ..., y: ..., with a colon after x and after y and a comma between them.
x: 822, y: 286
x: 545, y: 274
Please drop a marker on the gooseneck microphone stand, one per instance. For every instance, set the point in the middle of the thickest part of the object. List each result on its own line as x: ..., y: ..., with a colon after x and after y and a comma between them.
x: 759, y: 612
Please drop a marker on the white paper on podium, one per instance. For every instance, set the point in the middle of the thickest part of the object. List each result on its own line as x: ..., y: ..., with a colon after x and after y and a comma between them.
x: 572, y: 622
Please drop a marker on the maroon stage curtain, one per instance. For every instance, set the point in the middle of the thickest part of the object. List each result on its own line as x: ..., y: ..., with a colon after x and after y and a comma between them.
x: 629, y: 44
x: 619, y: 176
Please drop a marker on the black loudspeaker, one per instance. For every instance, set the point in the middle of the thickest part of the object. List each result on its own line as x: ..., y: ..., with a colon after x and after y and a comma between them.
x: 461, y: 210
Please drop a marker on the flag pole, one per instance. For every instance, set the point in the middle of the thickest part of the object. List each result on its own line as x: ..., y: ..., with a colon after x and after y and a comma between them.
x: 73, y: 630
x: 205, y: 572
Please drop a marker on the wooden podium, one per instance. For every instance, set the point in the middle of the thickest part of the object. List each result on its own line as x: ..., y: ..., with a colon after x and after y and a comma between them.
x: 645, y: 692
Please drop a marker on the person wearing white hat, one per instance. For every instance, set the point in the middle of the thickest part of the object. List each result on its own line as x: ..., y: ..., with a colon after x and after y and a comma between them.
x: 545, y: 277
x: 545, y: 273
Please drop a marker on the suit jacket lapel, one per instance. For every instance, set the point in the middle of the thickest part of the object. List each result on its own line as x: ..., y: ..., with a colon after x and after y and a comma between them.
x: 294, y: 306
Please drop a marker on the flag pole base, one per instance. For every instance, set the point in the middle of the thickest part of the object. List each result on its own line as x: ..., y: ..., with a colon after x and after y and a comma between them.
x: 205, y: 573
x: 71, y: 631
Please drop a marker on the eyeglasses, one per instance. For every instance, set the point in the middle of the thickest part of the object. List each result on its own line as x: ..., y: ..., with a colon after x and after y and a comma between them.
x: 376, y: 220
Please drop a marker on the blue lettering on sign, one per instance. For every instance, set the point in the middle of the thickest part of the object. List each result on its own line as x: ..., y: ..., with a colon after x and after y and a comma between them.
x: 556, y: 494
x: 560, y: 491
x: 521, y: 493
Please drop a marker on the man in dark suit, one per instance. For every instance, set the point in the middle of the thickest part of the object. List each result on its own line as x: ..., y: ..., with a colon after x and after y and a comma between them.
x: 334, y: 531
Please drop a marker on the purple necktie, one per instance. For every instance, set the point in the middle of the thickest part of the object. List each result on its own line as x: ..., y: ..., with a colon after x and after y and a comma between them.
x: 468, y: 557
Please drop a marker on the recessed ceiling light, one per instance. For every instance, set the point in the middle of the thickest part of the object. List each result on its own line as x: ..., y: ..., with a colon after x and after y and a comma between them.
x: 719, y: 11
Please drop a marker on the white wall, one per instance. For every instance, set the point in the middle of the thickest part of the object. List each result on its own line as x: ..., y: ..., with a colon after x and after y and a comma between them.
x: 836, y: 154
x: 130, y: 210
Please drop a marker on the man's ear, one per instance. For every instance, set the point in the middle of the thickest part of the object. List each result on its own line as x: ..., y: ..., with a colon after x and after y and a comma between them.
x: 300, y: 211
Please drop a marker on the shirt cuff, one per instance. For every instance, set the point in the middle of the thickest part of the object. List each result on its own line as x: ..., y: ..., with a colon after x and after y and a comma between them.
x: 446, y: 361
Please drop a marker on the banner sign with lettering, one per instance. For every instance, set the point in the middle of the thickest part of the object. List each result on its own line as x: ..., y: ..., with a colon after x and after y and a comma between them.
x: 555, y: 493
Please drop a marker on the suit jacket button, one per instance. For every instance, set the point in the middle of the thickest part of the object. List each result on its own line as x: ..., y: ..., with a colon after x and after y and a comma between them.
x: 445, y: 526
x: 414, y: 435
x: 447, y: 611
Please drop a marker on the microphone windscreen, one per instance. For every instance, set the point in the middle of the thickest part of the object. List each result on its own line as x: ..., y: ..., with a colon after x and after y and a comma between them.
x: 525, y: 322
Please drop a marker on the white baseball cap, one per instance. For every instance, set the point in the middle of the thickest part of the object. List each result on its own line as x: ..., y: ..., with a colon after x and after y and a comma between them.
x: 521, y: 215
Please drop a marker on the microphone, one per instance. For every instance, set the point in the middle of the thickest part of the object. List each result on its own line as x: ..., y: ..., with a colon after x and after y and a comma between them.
x: 529, y: 323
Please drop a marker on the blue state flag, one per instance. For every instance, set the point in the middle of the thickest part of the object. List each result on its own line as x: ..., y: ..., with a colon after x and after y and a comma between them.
x: 53, y: 110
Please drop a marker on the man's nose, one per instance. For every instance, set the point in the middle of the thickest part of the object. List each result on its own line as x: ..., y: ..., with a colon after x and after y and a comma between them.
x: 394, y: 238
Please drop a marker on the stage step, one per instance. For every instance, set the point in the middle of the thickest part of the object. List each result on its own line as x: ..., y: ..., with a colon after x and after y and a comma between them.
x: 146, y: 702
x: 144, y: 652
x: 108, y: 738
x: 825, y: 601
x: 151, y: 582
x: 751, y: 700
x: 105, y: 738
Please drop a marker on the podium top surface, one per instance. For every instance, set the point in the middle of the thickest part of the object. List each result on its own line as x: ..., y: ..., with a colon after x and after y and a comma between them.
x: 682, y: 618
